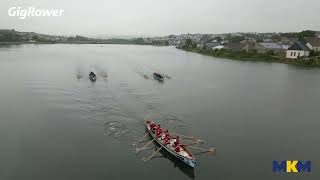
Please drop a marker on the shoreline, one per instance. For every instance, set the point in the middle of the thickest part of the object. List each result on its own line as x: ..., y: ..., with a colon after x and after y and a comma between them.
x: 75, y: 42
x: 223, y: 54
x: 254, y: 57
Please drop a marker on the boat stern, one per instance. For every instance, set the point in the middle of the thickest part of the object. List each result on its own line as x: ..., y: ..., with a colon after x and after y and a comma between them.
x: 191, y: 163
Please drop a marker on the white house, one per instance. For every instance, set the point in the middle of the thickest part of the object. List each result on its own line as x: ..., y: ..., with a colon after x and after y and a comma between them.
x: 218, y: 47
x: 298, y: 49
x: 313, y: 43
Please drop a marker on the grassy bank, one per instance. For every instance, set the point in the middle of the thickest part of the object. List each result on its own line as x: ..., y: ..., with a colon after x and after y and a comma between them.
x: 253, y: 56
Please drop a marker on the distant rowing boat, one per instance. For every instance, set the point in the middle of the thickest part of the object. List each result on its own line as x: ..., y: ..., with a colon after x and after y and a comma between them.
x: 158, y: 76
x: 92, y: 77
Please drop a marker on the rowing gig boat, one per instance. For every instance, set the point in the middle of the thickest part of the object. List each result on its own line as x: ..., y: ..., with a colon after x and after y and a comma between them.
x: 158, y: 76
x: 184, y: 155
x: 92, y: 77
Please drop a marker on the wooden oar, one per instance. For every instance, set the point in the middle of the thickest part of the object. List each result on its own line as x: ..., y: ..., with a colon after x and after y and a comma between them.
x: 190, y: 144
x: 198, y: 141
x: 212, y: 150
x: 187, y: 137
x: 154, y: 153
x: 146, y: 145
x: 167, y: 76
x: 143, y: 137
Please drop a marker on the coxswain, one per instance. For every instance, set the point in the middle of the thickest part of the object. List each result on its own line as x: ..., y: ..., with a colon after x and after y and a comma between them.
x: 155, y: 128
x: 152, y: 125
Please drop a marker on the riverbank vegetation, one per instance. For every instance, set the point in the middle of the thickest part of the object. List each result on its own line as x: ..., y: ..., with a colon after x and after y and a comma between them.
x: 10, y: 36
x: 253, y: 56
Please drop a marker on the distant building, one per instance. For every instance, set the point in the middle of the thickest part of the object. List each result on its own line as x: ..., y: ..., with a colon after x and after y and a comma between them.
x: 249, y: 46
x: 285, y: 42
x: 208, y: 45
x: 236, y: 47
x: 267, y: 40
x: 313, y: 43
x: 264, y: 47
x: 298, y: 49
x: 218, y: 47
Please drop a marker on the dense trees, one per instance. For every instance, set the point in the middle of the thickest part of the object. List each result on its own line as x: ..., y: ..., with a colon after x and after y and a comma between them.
x: 10, y: 36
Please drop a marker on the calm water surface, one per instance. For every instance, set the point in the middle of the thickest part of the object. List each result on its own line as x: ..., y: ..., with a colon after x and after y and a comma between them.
x: 57, y: 125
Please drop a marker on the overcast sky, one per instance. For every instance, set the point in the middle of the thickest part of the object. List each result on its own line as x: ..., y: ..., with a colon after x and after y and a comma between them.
x: 164, y: 17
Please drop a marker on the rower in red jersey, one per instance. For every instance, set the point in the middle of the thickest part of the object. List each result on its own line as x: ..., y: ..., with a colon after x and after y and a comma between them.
x: 166, y: 134
x: 156, y: 127
x: 166, y: 137
x: 177, y: 149
x: 153, y: 127
x: 159, y: 130
x: 166, y: 141
x: 158, y: 134
x: 177, y: 142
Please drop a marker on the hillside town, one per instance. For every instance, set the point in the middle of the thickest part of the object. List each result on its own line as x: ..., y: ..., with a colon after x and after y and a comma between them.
x: 293, y: 45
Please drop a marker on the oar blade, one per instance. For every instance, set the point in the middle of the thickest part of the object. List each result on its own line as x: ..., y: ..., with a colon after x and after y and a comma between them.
x: 150, y: 157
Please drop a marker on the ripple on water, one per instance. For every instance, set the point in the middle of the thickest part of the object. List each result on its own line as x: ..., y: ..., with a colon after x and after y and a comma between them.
x: 116, y: 129
x: 167, y: 118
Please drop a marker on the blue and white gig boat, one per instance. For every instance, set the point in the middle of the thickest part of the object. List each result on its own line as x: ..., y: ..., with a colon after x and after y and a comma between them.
x: 184, y: 154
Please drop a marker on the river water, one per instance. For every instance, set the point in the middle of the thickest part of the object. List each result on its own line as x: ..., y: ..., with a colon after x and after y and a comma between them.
x: 55, y: 124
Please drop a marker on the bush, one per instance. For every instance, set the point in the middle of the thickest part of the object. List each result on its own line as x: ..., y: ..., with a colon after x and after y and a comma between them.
x: 313, y: 53
x: 270, y: 53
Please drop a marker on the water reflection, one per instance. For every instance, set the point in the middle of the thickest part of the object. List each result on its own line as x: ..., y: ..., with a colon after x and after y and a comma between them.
x: 187, y: 170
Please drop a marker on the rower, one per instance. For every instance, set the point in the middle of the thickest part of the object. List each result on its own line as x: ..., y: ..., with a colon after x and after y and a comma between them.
x: 156, y: 127
x: 177, y: 149
x: 158, y: 134
x: 159, y: 129
x: 166, y: 141
x: 166, y: 134
x: 177, y: 142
